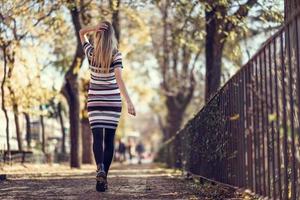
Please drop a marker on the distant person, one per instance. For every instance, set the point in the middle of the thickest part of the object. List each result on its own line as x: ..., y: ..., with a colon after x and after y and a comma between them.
x: 104, y: 103
x: 129, y: 149
x: 140, y: 149
x: 122, y: 151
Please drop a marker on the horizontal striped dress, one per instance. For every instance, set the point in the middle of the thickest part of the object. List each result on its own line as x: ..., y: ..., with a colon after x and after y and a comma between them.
x: 104, y: 103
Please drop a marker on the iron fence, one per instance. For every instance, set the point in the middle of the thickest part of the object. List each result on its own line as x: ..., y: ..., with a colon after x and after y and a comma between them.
x: 247, y: 135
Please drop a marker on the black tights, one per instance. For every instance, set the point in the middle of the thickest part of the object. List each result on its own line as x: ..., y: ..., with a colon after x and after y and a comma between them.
x: 103, y: 155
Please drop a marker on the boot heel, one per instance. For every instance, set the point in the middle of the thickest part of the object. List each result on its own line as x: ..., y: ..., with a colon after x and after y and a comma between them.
x: 100, y: 186
x: 101, y: 182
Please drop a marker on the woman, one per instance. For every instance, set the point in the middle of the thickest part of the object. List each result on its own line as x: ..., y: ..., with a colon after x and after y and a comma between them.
x: 104, y: 101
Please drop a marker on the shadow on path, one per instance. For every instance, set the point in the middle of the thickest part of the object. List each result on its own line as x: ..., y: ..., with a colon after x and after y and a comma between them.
x: 146, y: 181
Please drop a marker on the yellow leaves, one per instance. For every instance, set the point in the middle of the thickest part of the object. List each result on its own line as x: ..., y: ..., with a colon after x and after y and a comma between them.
x: 114, y: 5
x: 272, y: 16
x: 263, y: 19
x: 201, y: 35
x: 234, y: 117
x: 232, y: 35
x: 77, y: 67
x: 139, y: 31
x: 272, y: 117
x: 208, y: 7
x: 245, y: 29
x: 84, y: 114
x: 219, y: 15
x: 233, y: 19
x: 182, y: 41
x: 233, y: 51
x: 30, y: 89
x: 191, y: 45
x: 224, y: 3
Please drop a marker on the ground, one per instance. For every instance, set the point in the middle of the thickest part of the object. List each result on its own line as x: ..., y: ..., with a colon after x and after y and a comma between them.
x: 126, y: 181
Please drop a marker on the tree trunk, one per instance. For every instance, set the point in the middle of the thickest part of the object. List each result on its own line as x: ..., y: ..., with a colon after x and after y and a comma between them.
x: 291, y: 43
x: 3, y: 103
x: 213, y: 55
x: 63, y: 131
x: 173, y: 124
x: 43, y: 132
x: 17, y: 125
x: 87, y: 152
x: 70, y: 90
x: 290, y: 7
x: 11, y: 62
x: 15, y: 111
x: 115, y: 6
x: 28, y: 130
x: 174, y: 117
x: 74, y: 110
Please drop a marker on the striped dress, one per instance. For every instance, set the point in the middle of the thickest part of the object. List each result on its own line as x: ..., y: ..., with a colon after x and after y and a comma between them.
x: 104, y: 103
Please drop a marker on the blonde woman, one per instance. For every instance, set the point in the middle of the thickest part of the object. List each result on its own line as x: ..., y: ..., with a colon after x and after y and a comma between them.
x: 104, y: 100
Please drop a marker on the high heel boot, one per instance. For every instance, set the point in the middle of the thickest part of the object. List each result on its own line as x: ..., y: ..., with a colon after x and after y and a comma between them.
x: 101, y: 178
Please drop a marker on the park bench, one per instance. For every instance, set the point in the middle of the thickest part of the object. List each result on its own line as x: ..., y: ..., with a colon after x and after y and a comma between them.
x: 15, y: 154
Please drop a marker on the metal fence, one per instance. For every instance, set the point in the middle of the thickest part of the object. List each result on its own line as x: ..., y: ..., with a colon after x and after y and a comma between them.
x: 248, y: 133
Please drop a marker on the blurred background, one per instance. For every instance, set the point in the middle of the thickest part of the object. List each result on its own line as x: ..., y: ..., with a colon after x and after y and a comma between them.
x: 175, y: 56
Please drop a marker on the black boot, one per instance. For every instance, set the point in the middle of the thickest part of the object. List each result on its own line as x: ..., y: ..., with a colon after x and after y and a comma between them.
x: 101, y: 178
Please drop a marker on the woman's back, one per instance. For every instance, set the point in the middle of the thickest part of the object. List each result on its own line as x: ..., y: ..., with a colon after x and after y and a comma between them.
x: 104, y: 100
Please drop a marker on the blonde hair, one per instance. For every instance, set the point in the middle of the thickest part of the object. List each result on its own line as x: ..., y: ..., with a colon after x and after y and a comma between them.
x: 105, y: 45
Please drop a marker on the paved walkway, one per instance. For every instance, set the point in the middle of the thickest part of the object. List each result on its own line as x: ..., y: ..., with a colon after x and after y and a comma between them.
x: 146, y: 181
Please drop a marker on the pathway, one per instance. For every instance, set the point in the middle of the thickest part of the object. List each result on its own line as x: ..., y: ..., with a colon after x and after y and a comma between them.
x: 146, y: 181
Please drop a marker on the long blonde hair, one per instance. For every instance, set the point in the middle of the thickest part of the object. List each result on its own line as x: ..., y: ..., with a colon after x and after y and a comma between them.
x: 105, y: 45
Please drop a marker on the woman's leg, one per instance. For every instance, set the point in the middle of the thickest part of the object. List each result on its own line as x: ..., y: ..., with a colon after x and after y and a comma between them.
x: 98, y: 145
x: 109, y: 147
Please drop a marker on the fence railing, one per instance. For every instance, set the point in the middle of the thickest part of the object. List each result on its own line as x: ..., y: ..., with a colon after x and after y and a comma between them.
x: 248, y: 135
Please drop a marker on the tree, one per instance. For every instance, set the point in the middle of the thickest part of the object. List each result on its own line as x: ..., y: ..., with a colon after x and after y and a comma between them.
x: 43, y: 129
x: 62, y: 125
x: 71, y: 92
x: 13, y: 97
x: 115, y: 7
x: 292, y: 36
x: 3, y: 48
x: 28, y: 130
x: 14, y: 30
x: 70, y: 88
x: 176, y: 53
x: 225, y: 22
x: 217, y: 28
x: 87, y: 151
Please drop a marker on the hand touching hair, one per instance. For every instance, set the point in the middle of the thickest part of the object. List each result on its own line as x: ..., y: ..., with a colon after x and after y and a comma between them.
x: 102, y: 27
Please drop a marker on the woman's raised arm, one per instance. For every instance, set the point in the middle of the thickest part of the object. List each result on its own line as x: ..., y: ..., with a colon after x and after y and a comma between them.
x: 85, y: 30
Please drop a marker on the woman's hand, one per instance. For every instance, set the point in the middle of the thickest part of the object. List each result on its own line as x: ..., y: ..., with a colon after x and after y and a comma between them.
x: 130, y: 107
x: 101, y: 26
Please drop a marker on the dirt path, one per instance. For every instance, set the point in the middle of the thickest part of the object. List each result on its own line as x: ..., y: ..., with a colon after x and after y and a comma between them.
x: 147, y: 181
